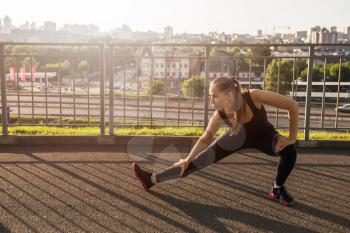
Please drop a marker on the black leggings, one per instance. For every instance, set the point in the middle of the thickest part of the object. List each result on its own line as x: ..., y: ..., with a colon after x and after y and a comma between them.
x: 228, y: 144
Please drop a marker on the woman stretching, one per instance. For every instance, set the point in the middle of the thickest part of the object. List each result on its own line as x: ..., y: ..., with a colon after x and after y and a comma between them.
x: 244, y: 113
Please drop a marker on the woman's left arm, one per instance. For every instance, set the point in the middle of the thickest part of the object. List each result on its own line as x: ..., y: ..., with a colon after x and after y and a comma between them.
x: 280, y: 101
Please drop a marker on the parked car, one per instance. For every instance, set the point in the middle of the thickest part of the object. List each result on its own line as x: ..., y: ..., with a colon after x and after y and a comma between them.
x: 344, y: 108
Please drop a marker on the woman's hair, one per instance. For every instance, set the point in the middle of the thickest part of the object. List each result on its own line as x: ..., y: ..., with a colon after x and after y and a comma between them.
x: 224, y: 84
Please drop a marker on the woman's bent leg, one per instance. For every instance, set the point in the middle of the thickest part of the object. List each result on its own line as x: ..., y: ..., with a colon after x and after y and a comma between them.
x: 284, y: 168
x: 287, y: 156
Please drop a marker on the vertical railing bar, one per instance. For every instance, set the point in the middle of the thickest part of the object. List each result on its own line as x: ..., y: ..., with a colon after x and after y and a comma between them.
x: 60, y: 87
x: 124, y: 92
x: 102, y: 88
x: 75, y: 65
x: 264, y: 78
x: 206, y: 86
x: 32, y: 85
x: 88, y: 88
x: 110, y: 65
x: 337, y: 105
x: 308, y: 93
x: 236, y: 66
x: 46, y: 90
x: 138, y: 88
x: 18, y: 95
x: 293, y: 81
x: 166, y: 87
x: 193, y: 90
x: 278, y: 86
x: 178, y: 94
x: 323, y: 92
x: 3, y: 92
x: 250, y: 73
x: 151, y: 90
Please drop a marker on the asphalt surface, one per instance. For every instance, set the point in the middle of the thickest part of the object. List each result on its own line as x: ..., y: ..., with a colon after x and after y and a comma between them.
x: 92, y: 189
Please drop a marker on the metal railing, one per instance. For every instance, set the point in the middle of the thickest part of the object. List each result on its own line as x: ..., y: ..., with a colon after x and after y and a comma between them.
x: 105, y: 84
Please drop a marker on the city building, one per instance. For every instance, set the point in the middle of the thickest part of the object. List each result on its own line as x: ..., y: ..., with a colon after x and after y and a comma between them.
x: 173, y: 67
x: 324, y: 36
x: 123, y: 33
x: 7, y: 25
x: 301, y: 36
x: 49, y: 26
x: 168, y: 33
x: 259, y: 32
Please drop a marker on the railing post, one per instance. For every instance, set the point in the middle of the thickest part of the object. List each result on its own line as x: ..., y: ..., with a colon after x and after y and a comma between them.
x: 111, y: 89
x: 3, y: 92
x: 206, y: 86
x: 308, y: 93
x: 102, y: 88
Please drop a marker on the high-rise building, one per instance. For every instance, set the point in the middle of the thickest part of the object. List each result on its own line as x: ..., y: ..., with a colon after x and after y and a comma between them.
x: 259, y: 32
x: 314, y: 37
x: 7, y: 21
x: 49, y: 26
x: 7, y: 24
x: 316, y: 29
x: 126, y: 32
x: 25, y: 26
x: 301, y: 35
x: 81, y: 29
x: 33, y: 26
x: 168, y: 33
x: 324, y: 36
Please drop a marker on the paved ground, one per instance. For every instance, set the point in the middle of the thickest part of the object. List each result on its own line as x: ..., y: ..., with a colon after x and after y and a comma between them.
x: 91, y: 189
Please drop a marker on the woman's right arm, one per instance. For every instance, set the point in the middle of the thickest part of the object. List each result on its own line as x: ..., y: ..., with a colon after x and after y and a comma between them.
x: 206, y: 138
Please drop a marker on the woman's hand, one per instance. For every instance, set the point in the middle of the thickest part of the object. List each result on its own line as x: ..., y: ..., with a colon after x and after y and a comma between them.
x: 183, y: 164
x: 282, y: 142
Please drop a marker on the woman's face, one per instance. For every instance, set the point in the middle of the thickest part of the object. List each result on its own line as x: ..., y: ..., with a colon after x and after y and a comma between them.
x: 219, y: 100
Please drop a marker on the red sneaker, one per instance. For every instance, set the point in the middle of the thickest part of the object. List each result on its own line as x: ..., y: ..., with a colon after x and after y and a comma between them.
x: 143, y: 176
x: 282, y: 196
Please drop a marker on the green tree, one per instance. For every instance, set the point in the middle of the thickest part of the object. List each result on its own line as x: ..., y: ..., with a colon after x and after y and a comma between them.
x: 158, y: 87
x: 332, y: 72
x: 300, y: 65
x: 65, y: 67
x: 286, y: 76
x: 317, y: 73
x: 345, y: 72
x: 258, y: 54
x: 193, y: 86
x: 9, y: 61
x: 27, y: 62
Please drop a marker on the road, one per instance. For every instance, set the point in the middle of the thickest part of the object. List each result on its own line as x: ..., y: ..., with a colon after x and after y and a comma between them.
x: 132, y: 108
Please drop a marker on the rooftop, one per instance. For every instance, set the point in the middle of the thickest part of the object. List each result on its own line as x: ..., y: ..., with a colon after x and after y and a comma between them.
x: 92, y: 189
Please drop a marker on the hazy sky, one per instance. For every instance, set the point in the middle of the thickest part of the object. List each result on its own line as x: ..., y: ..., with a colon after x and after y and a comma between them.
x: 192, y: 16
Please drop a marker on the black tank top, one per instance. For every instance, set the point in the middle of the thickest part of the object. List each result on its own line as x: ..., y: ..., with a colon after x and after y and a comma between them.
x: 258, y: 124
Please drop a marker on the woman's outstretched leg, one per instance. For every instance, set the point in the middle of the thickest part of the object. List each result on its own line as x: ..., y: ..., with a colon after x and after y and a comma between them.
x: 219, y: 149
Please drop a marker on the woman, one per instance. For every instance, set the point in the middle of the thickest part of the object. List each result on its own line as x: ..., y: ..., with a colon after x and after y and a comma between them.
x: 244, y: 113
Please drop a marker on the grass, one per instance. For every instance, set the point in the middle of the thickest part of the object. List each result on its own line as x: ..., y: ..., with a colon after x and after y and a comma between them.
x: 42, y: 129
x: 164, y: 131
x: 49, y: 130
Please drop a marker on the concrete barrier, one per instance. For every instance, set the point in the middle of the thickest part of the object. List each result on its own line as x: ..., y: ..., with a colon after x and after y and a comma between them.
x: 143, y: 140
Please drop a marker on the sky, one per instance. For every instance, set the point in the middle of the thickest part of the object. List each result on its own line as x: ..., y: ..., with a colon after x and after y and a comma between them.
x: 190, y: 16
